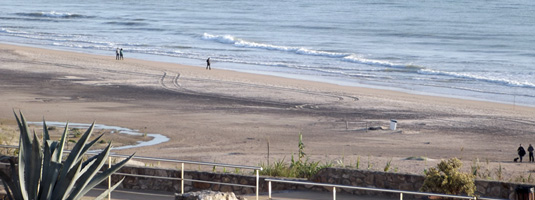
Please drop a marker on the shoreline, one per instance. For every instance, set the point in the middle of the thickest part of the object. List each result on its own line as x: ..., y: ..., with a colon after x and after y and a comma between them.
x: 171, y: 60
x: 231, y: 117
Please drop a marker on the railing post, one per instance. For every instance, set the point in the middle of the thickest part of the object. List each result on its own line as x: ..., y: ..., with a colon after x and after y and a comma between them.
x: 257, y: 182
x: 182, y: 179
x: 334, y: 193
x: 400, y: 196
x: 109, y: 179
x: 269, y: 189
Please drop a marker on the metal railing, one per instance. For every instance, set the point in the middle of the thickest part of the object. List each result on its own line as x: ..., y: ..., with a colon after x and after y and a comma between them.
x: 182, y: 177
x: 257, y: 171
x: 334, y: 186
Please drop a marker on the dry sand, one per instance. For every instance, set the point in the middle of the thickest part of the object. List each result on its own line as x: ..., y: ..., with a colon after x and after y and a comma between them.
x: 231, y: 117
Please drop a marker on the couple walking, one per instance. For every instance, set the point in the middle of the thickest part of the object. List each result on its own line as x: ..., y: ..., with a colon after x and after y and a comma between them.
x: 119, y: 54
x: 522, y: 152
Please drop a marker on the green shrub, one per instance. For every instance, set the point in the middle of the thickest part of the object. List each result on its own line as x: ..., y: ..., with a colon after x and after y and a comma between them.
x: 447, y: 179
x: 300, y: 168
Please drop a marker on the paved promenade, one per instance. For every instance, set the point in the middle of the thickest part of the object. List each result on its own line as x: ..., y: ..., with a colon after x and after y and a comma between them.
x: 286, y: 195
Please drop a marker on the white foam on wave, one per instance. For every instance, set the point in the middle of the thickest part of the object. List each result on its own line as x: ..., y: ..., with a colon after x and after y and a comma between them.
x: 502, y: 81
x: 53, y: 14
x: 347, y: 57
x: 359, y: 59
x: 56, y: 14
x: 5, y: 30
x: 229, y: 39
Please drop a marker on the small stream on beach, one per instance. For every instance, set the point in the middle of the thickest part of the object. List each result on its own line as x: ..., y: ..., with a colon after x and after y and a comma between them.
x: 156, y: 138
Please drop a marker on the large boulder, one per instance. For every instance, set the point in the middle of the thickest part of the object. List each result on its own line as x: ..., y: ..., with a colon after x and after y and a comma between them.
x: 207, y: 195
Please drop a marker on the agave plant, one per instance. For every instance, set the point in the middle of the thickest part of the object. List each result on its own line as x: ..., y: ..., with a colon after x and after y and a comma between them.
x: 42, y: 174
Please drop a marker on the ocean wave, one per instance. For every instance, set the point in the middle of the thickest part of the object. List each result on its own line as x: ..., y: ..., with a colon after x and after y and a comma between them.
x: 5, y: 30
x: 358, y: 59
x: 502, y: 81
x: 68, y: 40
x: 54, y: 14
x: 228, y: 39
x: 347, y: 57
x: 127, y: 23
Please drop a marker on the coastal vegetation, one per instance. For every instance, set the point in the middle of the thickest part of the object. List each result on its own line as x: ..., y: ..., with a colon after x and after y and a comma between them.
x: 41, y: 172
x: 446, y: 178
x: 301, y: 167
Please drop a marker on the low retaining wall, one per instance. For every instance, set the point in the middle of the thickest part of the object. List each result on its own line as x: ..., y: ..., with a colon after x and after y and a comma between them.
x: 363, y: 178
x: 410, y: 182
x: 131, y: 182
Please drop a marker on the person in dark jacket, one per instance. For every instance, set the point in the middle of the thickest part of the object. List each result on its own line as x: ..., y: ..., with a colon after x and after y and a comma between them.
x: 530, y: 150
x: 521, y: 152
x: 117, y: 54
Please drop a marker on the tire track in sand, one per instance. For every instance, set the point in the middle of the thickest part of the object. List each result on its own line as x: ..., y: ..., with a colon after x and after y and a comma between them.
x: 170, y: 81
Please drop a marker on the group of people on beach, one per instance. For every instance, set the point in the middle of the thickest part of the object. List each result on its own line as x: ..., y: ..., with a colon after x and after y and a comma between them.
x: 119, y: 54
x: 522, y: 152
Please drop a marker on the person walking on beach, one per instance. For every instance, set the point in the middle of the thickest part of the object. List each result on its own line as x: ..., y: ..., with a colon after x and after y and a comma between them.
x: 521, y: 152
x: 208, y: 64
x: 121, y: 53
x: 117, y: 54
x: 530, y: 150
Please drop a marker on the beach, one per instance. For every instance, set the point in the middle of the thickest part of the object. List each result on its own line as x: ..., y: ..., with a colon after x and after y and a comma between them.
x: 231, y: 117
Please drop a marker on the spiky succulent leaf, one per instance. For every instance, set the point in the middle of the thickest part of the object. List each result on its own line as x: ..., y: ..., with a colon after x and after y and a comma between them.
x: 35, y: 169
x: 24, y: 155
x: 62, y: 186
x: 92, y: 169
x: 6, y: 186
x: 53, y: 145
x: 50, y: 170
x: 23, y: 127
x: 105, y: 193
x: 97, y: 179
x: 61, y: 144
x: 73, y: 186
x: 46, y: 136
x: 90, y: 144
x: 47, y: 186
x: 41, y: 174
x: 10, y: 183
x: 75, y: 152
x: 22, y: 170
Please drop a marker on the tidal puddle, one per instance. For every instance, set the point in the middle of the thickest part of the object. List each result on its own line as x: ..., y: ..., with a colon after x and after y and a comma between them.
x: 156, y: 138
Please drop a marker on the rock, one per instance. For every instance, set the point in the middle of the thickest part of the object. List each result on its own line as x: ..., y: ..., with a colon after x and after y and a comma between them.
x: 373, y: 128
x: 207, y: 195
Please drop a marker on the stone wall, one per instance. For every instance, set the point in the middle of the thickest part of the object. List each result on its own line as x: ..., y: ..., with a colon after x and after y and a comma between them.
x: 374, y: 179
x: 131, y: 182
x: 363, y: 178
x: 410, y: 182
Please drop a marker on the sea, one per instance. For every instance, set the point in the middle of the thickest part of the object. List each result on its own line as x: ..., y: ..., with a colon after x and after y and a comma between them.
x: 481, y: 49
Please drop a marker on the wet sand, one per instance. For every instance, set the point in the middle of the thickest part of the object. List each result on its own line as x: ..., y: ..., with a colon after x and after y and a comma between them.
x: 231, y: 117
